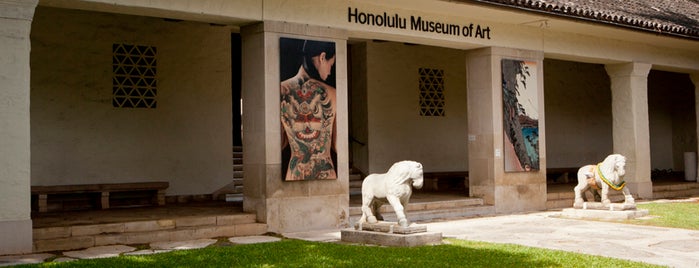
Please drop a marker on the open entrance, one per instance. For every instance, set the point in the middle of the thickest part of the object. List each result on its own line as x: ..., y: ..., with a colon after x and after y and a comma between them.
x: 408, y: 102
x: 578, y: 104
x: 579, y: 124
x: 673, y: 131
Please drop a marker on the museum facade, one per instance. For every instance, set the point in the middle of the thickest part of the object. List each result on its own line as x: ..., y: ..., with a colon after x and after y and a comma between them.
x: 128, y: 91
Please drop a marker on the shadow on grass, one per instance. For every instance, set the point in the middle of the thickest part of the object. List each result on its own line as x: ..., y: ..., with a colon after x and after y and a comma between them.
x: 296, y: 253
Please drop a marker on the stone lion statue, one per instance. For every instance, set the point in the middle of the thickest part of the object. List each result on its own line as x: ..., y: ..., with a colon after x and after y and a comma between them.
x: 605, y: 175
x: 393, y: 187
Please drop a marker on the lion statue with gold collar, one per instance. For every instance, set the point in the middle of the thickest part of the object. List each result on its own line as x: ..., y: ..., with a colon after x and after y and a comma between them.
x: 602, y: 177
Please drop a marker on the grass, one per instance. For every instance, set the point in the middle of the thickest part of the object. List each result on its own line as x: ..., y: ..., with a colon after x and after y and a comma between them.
x: 297, y: 253
x: 454, y: 253
x: 675, y: 214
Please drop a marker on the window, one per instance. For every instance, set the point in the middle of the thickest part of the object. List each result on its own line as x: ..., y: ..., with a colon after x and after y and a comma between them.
x: 134, y: 84
x: 431, y: 92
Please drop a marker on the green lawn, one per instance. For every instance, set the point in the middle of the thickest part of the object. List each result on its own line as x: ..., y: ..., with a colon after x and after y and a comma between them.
x: 297, y: 253
x: 677, y: 215
x: 454, y: 253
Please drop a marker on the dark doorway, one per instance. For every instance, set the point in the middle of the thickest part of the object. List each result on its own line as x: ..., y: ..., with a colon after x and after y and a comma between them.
x: 236, y: 63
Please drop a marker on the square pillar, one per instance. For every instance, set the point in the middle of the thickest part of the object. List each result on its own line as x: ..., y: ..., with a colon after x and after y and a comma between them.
x: 507, y: 191
x: 695, y: 80
x: 288, y: 206
x: 631, y: 134
x: 15, y: 163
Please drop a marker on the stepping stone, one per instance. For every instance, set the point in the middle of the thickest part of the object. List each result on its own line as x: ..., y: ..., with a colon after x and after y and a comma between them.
x: 191, y: 244
x: 253, y: 239
x: 63, y: 259
x: 24, y: 259
x: 147, y: 252
x: 99, y: 252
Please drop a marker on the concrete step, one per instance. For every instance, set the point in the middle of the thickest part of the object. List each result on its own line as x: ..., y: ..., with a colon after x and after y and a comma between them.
x: 676, y: 194
x: 355, y: 191
x: 565, y: 199
x: 660, y: 191
x: 355, y: 177
x: 434, y: 210
x: 238, y: 167
x: 691, y: 186
x: 235, y: 197
x: 142, y: 232
x: 355, y: 184
x: 238, y: 174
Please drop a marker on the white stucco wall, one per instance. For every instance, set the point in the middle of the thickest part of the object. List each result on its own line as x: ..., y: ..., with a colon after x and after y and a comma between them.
x: 79, y: 137
x: 396, y: 129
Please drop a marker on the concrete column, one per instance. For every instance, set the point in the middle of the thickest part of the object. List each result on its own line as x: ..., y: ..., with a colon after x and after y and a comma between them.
x: 507, y: 191
x: 15, y: 210
x: 298, y: 205
x: 631, y: 135
x: 695, y: 80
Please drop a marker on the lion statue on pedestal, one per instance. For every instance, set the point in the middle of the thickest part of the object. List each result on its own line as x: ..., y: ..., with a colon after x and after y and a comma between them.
x: 605, y: 175
x: 393, y: 187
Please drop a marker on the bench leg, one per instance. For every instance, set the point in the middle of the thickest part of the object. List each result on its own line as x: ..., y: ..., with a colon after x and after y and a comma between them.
x: 43, y: 203
x: 161, y: 197
x: 105, y: 200
x: 435, y: 184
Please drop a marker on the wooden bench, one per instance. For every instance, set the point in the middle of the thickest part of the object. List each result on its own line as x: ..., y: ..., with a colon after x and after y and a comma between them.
x: 562, y: 174
x: 432, y: 178
x: 103, y: 190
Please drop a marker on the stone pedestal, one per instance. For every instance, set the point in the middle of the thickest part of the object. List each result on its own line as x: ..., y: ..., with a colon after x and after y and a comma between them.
x: 391, y: 234
x: 598, y: 211
x: 610, y: 207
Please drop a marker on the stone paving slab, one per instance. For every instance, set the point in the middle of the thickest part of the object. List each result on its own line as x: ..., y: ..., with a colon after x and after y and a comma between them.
x: 24, y: 259
x: 331, y: 235
x: 190, y: 244
x: 656, y: 245
x: 253, y: 239
x: 99, y: 252
x: 614, y: 215
x: 146, y: 252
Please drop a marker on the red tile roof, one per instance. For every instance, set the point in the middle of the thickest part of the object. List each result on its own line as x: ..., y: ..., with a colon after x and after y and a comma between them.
x: 670, y: 17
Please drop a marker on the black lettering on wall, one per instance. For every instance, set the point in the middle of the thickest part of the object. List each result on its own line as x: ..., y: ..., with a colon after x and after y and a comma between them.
x: 417, y: 23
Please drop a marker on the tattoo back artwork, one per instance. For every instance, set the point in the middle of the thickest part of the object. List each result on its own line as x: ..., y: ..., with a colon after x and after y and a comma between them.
x: 307, y: 106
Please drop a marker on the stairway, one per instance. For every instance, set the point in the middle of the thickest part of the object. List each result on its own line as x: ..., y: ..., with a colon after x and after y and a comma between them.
x: 564, y: 198
x: 175, y: 228
x: 675, y: 190
x: 424, y: 205
x: 237, y: 194
x: 355, y: 182
x: 233, y: 192
x: 428, y: 211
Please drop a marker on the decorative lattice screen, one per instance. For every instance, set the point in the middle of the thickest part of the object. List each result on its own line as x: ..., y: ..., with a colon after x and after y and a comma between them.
x: 134, y: 84
x: 431, y: 92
